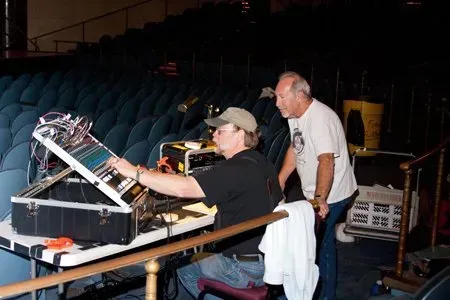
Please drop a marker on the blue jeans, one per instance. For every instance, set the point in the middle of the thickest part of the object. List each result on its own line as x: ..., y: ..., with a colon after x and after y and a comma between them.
x: 221, y: 268
x: 327, y: 251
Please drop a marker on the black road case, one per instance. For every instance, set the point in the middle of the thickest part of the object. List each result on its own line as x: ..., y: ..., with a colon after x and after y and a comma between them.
x: 71, y: 207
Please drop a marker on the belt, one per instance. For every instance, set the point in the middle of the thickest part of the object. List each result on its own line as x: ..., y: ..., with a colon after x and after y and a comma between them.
x: 246, y: 258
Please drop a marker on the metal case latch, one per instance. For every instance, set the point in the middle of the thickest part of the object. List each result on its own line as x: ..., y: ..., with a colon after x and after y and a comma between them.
x: 104, y: 214
x: 33, y: 209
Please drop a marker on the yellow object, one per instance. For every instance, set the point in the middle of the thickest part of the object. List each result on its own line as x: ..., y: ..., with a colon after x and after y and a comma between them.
x: 181, y: 147
x: 180, y: 167
x: 372, y: 114
x: 201, y: 208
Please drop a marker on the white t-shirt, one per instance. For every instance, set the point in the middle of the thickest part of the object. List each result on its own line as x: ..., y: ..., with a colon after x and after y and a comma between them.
x: 320, y: 131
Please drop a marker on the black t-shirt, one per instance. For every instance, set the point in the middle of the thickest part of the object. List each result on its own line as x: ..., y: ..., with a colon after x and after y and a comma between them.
x: 243, y: 187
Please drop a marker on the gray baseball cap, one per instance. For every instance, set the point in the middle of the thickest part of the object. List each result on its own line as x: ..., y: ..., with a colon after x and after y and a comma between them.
x: 237, y: 116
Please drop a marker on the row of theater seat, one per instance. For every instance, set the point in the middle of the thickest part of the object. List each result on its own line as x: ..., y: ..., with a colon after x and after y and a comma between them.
x: 134, y: 116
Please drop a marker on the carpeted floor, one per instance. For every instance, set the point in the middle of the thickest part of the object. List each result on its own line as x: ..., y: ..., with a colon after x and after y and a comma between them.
x: 358, y: 266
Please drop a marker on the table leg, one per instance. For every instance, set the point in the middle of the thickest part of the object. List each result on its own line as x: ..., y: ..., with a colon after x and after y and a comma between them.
x: 60, y: 286
x: 33, y: 276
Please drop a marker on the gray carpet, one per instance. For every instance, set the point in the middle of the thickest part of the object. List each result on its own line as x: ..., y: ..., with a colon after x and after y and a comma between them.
x: 358, y: 266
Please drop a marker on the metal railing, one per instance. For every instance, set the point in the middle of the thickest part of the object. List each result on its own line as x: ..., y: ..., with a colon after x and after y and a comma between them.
x: 83, y: 23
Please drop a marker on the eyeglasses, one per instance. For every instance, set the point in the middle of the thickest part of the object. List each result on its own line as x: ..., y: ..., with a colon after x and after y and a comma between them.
x: 220, y: 130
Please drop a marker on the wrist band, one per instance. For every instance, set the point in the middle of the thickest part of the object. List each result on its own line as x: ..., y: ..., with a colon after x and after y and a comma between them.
x: 139, y: 171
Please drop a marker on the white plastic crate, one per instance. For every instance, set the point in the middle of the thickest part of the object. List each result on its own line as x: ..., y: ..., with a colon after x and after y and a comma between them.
x: 380, y: 209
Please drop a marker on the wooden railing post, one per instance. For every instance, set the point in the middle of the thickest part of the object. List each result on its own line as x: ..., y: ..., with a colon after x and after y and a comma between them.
x: 152, y: 268
x: 437, y: 200
x: 404, y: 223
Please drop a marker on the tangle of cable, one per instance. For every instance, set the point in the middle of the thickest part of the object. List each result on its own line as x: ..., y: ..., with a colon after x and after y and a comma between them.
x: 62, y: 130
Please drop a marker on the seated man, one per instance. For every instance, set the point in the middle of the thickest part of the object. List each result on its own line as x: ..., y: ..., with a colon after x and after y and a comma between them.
x: 245, y: 186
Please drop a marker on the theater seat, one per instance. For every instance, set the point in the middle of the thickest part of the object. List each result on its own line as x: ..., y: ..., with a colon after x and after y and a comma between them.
x: 220, y: 289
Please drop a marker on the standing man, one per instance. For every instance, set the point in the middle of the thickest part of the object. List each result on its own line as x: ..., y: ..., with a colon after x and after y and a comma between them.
x: 319, y: 153
x: 243, y: 187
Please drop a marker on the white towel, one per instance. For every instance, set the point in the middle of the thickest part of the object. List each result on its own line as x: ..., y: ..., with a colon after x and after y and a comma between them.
x: 290, y: 251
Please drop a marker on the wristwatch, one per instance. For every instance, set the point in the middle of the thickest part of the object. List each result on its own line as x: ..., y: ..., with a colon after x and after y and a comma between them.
x: 139, y: 171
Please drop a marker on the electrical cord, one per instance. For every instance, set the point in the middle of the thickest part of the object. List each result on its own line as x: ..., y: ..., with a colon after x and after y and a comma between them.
x: 172, y: 262
x: 60, y: 129
x: 82, y: 191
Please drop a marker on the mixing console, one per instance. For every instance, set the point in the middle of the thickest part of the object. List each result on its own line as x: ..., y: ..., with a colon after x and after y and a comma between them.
x: 88, y: 156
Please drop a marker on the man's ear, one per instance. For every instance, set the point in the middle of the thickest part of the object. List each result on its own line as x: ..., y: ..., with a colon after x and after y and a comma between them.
x: 300, y: 95
x: 241, y: 134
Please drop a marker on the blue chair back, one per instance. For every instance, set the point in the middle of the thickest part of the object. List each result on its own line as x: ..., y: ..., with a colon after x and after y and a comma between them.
x: 88, y: 106
x: 116, y: 140
x: 16, y: 157
x: 159, y: 129
x: 108, y: 101
x: 10, y: 96
x: 38, y: 77
x: 258, y: 110
x: 6, y: 81
x: 271, y: 109
x: 83, y: 93
x: 67, y: 98
x: 12, y: 181
x: 192, y: 134
x: 24, y: 118
x: 276, y: 123
x: 148, y: 105
x: 47, y: 101
x: 282, y: 152
x: 274, y: 149
x: 155, y: 153
x: 30, y: 95
x: 21, y: 82
x: 16, y: 268
x: 104, y: 124
x: 163, y: 103
x: 5, y: 141
x: 24, y: 134
x: 4, y: 121
x: 140, y: 131
x: 138, y: 153
x: 128, y: 112
x: 12, y: 110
